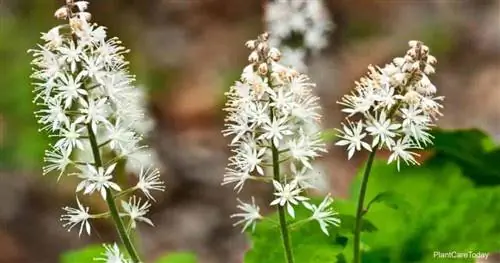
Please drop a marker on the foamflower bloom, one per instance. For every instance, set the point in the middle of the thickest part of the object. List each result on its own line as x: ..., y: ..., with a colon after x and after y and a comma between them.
x: 272, y: 119
x: 89, y: 103
x: 395, y: 105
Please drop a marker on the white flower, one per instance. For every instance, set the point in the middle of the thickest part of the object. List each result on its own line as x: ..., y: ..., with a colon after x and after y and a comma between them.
x: 75, y: 216
x: 235, y: 176
x: 383, y: 131
x: 97, y: 180
x: 71, y: 137
x: 324, y: 214
x: 70, y: 89
x: 93, y: 112
x: 249, y: 216
x: 112, y: 255
x: 53, y: 115
x: 136, y: 211
x: 71, y: 53
x: 249, y: 158
x: 352, y: 136
x: 57, y: 159
x: 53, y: 38
x: 401, y: 151
x: 276, y: 130
x: 288, y: 195
x: 149, y: 180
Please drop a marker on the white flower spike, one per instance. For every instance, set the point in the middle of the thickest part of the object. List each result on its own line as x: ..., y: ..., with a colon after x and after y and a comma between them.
x: 396, y: 106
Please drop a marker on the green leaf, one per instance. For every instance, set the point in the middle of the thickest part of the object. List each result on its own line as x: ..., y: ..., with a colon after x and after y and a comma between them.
x: 452, y: 208
x: 390, y: 199
x: 348, y: 224
x: 180, y: 257
x: 472, y: 150
x: 84, y: 255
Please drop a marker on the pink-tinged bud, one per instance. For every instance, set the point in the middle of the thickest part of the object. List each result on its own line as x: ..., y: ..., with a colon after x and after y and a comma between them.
x: 413, y: 43
x: 251, y: 44
x: 429, y: 69
x: 263, y: 69
x: 431, y: 60
x: 82, y: 5
x: 399, y: 61
x: 274, y: 54
x: 262, y: 46
x: 265, y: 36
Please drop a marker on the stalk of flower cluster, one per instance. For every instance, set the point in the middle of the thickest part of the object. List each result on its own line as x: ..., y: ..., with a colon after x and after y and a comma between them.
x: 281, y: 210
x: 397, y: 107
x: 115, y: 215
x: 273, y: 118
x: 88, y: 102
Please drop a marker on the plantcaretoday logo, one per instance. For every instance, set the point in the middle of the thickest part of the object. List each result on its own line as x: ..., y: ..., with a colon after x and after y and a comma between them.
x: 460, y: 255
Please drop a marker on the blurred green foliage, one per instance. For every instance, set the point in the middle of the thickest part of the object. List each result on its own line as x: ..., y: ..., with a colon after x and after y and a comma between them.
x: 437, y: 206
x: 88, y: 254
x: 22, y: 145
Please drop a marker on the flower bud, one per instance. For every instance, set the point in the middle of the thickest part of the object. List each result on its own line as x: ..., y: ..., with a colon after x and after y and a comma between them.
x: 274, y: 54
x: 413, y: 43
x: 254, y: 57
x: 263, y: 69
x: 265, y: 36
x: 250, y: 44
x: 429, y: 69
x: 399, y: 61
x: 82, y: 5
x: 431, y: 59
x: 61, y: 13
x: 262, y: 46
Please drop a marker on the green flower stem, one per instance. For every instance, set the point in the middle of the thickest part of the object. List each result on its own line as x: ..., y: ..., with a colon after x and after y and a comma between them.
x: 281, y: 210
x: 120, y: 227
x: 360, y: 211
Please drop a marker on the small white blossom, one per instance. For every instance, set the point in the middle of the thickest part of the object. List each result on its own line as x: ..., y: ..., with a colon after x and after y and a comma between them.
x: 57, y: 159
x: 136, y: 211
x: 76, y: 216
x: 401, y: 150
x: 97, y: 180
x: 288, y: 195
x: 324, y: 214
x: 352, y: 136
x: 249, y: 216
x: 149, y: 180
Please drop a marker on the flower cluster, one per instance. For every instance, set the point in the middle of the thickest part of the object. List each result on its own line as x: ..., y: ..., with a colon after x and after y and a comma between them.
x: 397, y: 105
x: 273, y: 118
x: 89, y: 103
x: 306, y: 22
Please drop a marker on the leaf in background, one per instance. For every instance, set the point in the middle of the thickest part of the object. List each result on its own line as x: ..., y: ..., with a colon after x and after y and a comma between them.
x: 472, y: 150
x: 84, y: 255
x: 349, y: 223
x: 180, y: 257
x: 391, y: 199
